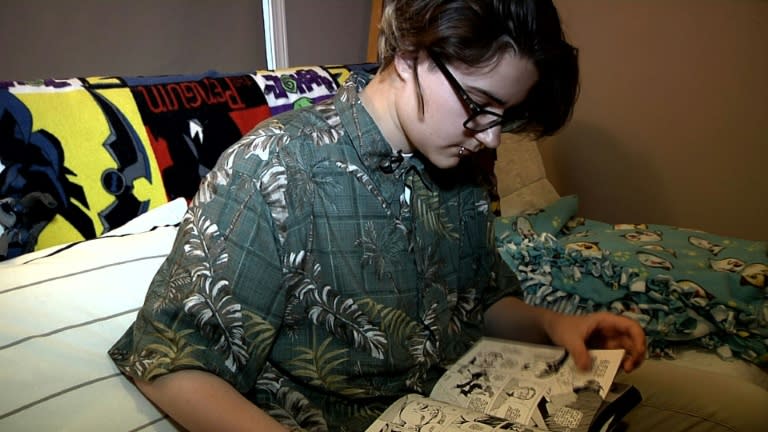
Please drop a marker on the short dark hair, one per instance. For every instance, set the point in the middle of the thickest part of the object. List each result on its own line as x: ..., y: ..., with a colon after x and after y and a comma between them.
x: 476, y: 33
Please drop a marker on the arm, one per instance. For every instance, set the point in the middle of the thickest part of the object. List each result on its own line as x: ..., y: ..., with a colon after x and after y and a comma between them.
x: 511, y: 318
x: 201, y: 401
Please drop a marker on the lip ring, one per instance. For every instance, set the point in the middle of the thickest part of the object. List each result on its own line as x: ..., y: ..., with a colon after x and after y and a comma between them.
x: 461, y: 151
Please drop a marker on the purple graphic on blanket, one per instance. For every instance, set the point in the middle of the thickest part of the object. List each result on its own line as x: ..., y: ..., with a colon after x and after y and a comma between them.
x: 288, y: 89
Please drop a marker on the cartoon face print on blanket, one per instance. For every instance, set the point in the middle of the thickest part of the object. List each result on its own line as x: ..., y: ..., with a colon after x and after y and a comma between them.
x: 683, y: 286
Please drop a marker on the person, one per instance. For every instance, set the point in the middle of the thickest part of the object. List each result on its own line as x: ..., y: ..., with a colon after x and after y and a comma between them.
x: 340, y: 255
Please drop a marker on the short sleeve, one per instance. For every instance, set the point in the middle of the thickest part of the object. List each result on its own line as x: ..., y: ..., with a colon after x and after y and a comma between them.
x: 215, y: 303
x: 504, y: 283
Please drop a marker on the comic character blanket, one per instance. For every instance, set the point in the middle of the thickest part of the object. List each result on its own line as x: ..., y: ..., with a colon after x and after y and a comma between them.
x: 82, y: 156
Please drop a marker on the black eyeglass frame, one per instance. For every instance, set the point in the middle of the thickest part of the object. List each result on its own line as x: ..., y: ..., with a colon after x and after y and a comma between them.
x: 475, y: 109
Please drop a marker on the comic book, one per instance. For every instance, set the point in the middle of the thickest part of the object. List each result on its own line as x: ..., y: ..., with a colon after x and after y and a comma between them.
x: 505, y: 385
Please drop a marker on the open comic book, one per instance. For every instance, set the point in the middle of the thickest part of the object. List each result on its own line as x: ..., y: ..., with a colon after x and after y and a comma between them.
x: 505, y: 385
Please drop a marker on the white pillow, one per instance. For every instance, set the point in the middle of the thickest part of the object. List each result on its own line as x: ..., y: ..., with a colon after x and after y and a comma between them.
x: 169, y: 213
x: 62, y: 309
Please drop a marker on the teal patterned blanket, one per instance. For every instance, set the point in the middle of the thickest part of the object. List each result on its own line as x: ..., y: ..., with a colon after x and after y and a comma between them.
x: 685, y: 287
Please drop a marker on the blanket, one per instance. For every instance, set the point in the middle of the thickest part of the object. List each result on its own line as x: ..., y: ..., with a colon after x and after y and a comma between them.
x: 685, y: 287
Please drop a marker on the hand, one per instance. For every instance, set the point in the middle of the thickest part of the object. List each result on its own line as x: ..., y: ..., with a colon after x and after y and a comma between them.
x: 605, y: 330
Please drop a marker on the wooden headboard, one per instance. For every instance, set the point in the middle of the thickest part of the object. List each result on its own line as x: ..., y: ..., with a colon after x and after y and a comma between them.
x: 373, y: 30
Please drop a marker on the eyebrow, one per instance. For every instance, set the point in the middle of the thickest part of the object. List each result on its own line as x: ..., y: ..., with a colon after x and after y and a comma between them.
x: 495, y: 99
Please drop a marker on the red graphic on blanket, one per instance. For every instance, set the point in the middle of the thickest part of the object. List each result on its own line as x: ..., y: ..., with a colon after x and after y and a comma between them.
x: 191, y: 95
x: 190, y: 123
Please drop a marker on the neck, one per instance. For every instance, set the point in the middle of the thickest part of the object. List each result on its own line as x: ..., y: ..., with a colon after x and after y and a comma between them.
x: 378, y: 98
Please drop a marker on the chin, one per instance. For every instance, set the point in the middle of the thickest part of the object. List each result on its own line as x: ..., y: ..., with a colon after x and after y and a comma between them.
x: 446, y: 163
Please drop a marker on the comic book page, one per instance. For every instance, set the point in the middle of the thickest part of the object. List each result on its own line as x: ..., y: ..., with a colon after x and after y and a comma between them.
x: 529, y: 384
x: 416, y: 413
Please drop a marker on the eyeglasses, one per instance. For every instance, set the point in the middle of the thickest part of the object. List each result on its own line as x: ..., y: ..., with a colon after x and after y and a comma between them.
x: 479, y: 119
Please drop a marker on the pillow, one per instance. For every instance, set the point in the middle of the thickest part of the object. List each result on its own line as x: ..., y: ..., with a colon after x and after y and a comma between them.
x: 63, y: 308
x: 681, y: 285
x: 550, y: 219
x: 167, y: 214
x: 521, y: 179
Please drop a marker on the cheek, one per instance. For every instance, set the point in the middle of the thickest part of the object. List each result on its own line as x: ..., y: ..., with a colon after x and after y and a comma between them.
x: 438, y: 127
x: 444, y: 113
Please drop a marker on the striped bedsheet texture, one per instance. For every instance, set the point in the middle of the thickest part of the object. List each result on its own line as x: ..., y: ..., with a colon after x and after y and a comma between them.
x: 61, y: 310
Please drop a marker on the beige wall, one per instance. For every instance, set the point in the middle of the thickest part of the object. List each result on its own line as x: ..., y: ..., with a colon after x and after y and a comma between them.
x: 61, y: 39
x: 327, y: 31
x: 672, y: 123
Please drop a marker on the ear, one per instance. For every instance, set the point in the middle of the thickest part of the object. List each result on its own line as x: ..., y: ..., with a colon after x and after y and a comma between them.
x: 405, y: 65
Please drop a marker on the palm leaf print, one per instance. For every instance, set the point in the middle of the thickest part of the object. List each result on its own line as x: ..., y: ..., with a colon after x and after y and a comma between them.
x: 427, y: 208
x: 380, y: 253
x: 482, y: 206
x: 205, y: 191
x: 328, y: 112
x: 423, y: 347
x: 215, y: 311
x: 247, y: 189
x: 219, y: 176
x: 291, y: 408
x: 179, y: 281
x: 219, y: 315
x: 260, y: 333
x: 272, y: 184
x: 296, y: 410
x: 428, y: 264
x: 393, y: 322
x: 203, y: 245
x: 299, y: 273
x: 345, y: 320
x: 306, y: 184
x: 467, y: 310
x: 171, y: 352
x: 317, y: 364
x: 360, y: 415
x: 366, y: 181
x: 262, y: 140
x: 323, y: 135
x: 324, y: 306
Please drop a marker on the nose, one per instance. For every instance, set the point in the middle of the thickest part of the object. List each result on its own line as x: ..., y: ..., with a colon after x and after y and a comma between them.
x: 490, y: 138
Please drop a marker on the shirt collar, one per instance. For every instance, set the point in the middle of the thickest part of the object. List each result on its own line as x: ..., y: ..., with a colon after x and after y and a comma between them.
x: 366, y: 137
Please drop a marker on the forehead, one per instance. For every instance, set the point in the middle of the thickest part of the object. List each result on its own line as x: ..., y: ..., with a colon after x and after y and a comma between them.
x: 509, y: 78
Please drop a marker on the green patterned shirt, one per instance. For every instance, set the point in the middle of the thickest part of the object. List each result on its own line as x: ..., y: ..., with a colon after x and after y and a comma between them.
x: 319, y: 284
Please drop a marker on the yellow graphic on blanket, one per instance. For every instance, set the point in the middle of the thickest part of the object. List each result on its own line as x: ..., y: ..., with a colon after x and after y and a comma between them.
x: 89, y: 125
x: 340, y: 72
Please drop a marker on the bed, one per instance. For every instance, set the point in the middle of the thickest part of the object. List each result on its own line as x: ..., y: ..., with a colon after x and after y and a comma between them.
x: 66, y: 298
x: 62, y: 308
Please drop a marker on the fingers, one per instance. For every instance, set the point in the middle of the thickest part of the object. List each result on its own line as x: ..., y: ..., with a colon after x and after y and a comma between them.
x: 630, y: 363
x: 625, y: 333
x: 601, y: 330
x: 580, y: 356
x: 634, y: 343
x: 637, y: 353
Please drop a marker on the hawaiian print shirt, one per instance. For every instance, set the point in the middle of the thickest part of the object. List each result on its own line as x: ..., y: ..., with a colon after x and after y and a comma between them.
x: 319, y: 279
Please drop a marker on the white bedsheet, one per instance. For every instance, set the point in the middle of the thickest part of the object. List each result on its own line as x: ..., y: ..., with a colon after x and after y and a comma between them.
x: 61, y: 310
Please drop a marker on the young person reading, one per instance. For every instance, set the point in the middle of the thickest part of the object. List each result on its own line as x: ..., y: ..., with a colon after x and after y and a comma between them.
x: 341, y: 255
